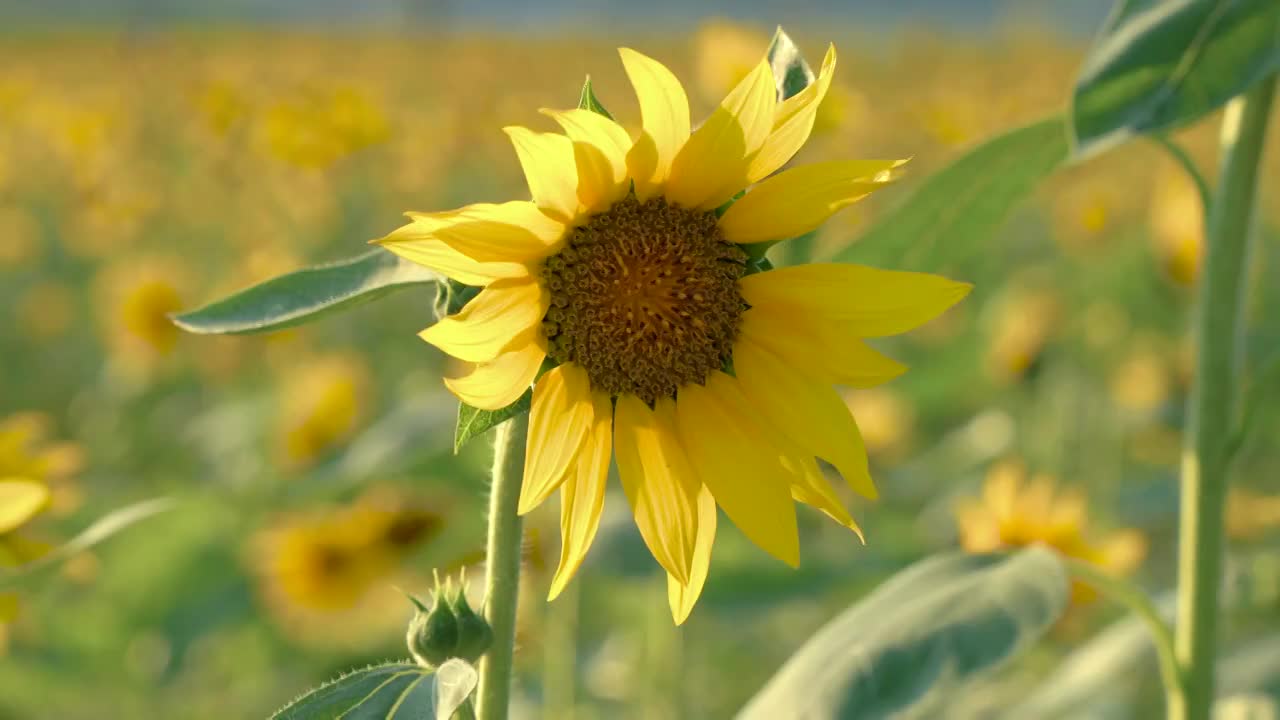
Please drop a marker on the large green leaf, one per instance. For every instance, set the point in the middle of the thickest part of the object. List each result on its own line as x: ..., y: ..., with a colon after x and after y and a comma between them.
x: 1098, y: 679
x: 1163, y: 63
x: 395, y: 691
x: 957, y: 209
x: 930, y: 630
x: 304, y: 295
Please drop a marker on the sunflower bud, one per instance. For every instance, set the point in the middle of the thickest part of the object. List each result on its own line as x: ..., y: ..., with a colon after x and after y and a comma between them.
x: 433, y: 634
x: 474, y: 634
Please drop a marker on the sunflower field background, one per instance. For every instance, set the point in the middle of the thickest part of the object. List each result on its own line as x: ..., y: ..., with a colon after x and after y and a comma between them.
x: 270, y: 497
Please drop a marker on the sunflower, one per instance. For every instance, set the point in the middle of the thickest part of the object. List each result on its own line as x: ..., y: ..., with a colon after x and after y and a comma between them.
x: 711, y: 384
x: 1016, y: 512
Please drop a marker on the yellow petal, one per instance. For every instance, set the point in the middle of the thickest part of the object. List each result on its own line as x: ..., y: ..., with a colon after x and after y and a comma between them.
x: 807, y: 411
x: 559, y: 422
x: 600, y: 148
x: 792, y: 122
x: 582, y: 495
x: 733, y: 456
x: 20, y: 500
x: 435, y: 254
x: 658, y: 481
x: 822, y: 349
x: 502, y: 315
x: 799, y: 200
x: 861, y: 300
x: 550, y: 170
x: 516, y: 231
x: 664, y: 114
x: 810, y: 486
x: 712, y: 165
x: 683, y: 596
x: 500, y: 382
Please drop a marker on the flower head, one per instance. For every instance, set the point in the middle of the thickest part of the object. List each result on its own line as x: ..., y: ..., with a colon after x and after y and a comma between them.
x: 709, y: 383
x: 1014, y: 512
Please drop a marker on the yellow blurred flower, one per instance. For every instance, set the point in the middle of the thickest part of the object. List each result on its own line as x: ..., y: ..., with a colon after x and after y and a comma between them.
x: 1251, y: 514
x: 34, y: 477
x: 1143, y: 379
x: 724, y: 53
x: 322, y: 127
x: 886, y: 420
x: 1015, y: 512
x: 1177, y: 226
x: 323, y: 570
x: 321, y: 405
x: 138, y: 295
x: 1021, y: 325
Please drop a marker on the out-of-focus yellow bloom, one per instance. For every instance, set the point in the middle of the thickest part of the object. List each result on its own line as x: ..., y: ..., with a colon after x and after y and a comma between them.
x: 323, y: 127
x: 324, y: 570
x: 1251, y: 514
x: 321, y: 405
x: 1014, y: 512
x: 1141, y: 382
x: 1177, y: 227
x: 1022, y: 324
x: 139, y: 295
x: 886, y: 420
x: 223, y: 105
x: 33, y: 473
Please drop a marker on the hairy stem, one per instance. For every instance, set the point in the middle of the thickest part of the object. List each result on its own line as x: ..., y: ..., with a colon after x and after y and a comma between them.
x: 502, y: 580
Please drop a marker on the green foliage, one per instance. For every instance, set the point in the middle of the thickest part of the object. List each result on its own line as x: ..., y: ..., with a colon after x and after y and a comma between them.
x: 933, y: 628
x: 790, y: 71
x: 395, y: 691
x: 1164, y: 63
x: 302, y: 296
x: 474, y: 421
x: 955, y: 211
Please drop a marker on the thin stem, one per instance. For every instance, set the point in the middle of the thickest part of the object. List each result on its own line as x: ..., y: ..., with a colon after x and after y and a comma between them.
x: 502, y: 579
x: 1137, y: 601
x: 1184, y: 160
x: 1212, y: 409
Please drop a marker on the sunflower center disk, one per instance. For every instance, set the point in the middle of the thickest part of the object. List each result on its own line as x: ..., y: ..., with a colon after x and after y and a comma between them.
x: 645, y: 298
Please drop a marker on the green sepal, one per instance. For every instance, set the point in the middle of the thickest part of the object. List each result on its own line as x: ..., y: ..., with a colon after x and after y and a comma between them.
x: 589, y: 101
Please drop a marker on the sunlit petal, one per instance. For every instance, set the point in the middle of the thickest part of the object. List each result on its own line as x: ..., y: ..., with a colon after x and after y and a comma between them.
x: 582, y: 495
x: 502, y: 315
x: 501, y: 381
x: 560, y: 420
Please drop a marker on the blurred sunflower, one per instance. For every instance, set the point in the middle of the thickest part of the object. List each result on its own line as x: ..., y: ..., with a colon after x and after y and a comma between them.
x: 1021, y: 325
x: 1251, y: 514
x: 317, y: 568
x: 321, y: 405
x: 137, y: 297
x: 1177, y: 227
x: 1014, y: 512
x: 712, y: 383
x: 34, y: 477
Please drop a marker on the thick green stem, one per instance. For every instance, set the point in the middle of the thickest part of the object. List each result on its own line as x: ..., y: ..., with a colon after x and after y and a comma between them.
x: 502, y: 581
x: 1213, y: 408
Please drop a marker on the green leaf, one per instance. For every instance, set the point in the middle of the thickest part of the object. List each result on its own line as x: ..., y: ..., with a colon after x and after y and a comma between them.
x: 101, y: 529
x: 955, y: 211
x: 589, y: 101
x: 305, y: 295
x: 1098, y: 678
x: 1164, y: 63
x: 395, y: 691
x: 474, y: 421
x: 790, y: 71
x: 932, y: 629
